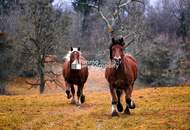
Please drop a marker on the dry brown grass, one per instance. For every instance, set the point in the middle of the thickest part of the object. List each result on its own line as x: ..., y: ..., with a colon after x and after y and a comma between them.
x: 157, y: 109
x: 166, y: 108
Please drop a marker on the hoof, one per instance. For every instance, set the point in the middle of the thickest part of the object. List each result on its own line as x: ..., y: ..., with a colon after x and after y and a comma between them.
x: 114, y: 114
x: 77, y: 104
x: 119, y: 107
x: 127, y: 112
x: 68, y: 94
x: 131, y: 105
x: 82, y: 99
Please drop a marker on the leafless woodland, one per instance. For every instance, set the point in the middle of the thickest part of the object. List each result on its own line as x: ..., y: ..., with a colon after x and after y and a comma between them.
x: 35, y: 34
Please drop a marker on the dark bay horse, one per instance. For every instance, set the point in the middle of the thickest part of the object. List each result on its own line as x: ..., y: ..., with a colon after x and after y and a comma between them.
x: 121, y: 74
x: 75, y: 72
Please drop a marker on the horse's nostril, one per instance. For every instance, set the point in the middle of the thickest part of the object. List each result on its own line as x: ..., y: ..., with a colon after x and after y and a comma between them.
x: 117, y: 62
x: 118, y: 59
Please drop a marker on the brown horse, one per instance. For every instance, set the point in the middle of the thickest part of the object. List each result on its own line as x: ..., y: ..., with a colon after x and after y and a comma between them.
x: 75, y: 72
x: 121, y: 74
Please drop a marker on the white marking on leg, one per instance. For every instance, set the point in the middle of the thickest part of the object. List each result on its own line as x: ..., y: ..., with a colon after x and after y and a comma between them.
x: 78, y: 101
x: 68, y: 89
x: 132, y: 103
x: 114, y: 108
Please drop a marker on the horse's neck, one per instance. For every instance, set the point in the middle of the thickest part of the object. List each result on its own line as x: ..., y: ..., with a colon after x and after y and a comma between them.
x: 123, y: 65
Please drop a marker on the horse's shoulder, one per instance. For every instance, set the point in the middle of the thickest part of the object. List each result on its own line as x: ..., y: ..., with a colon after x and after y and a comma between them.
x: 66, y: 67
x: 109, y: 65
x: 109, y: 68
x: 65, y: 63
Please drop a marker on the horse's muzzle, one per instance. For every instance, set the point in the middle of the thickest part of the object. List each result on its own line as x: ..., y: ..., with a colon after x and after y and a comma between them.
x: 117, y: 61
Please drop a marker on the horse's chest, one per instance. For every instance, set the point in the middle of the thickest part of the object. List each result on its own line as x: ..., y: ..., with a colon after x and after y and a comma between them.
x: 119, y: 79
x: 74, y: 78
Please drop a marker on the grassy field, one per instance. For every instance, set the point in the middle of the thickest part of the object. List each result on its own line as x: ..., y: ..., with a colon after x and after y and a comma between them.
x: 157, y: 109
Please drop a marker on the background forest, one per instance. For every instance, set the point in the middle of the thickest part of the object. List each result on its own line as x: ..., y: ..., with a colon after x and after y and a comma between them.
x: 158, y: 33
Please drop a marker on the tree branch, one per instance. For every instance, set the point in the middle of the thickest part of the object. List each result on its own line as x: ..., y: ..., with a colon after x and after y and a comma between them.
x: 51, y: 72
x: 125, y: 4
x: 32, y: 84
x: 35, y: 42
x: 129, y: 43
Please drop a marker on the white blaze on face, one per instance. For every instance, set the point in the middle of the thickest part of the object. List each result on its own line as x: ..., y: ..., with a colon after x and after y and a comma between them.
x: 75, y: 62
x: 117, y: 61
x: 117, y: 58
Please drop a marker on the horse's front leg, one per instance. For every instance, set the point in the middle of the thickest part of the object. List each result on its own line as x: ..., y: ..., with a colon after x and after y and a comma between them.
x: 68, y: 89
x: 119, y: 105
x: 114, y: 101
x: 80, y: 96
x: 129, y: 103
x: 73, y: 94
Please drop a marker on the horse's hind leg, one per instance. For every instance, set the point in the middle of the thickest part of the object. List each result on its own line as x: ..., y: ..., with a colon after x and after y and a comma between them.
x: 119, y: 105
x: 114, y: 101
x: 73, y: 94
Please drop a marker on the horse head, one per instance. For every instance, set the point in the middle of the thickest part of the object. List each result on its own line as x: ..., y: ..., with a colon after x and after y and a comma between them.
x: 116, y: 51
x: 75, y: 55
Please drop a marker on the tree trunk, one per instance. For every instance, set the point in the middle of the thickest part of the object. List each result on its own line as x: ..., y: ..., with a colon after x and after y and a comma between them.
x: 184, y: 38
x: 2, y: 88
x: 41, y: 72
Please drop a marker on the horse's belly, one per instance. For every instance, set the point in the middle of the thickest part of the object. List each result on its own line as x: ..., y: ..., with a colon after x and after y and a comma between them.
x: 120, y: 83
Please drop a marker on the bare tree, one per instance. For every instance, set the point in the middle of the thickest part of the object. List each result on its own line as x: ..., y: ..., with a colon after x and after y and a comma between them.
x: 109, y: 19
x: 115, y: 12
x: 37, y: 26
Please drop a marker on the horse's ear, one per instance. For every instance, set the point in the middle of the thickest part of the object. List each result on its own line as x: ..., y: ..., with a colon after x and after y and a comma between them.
x: 113, y: 40
x: 78, y: 48
x: 71, y: 49
x: 121, y: 40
